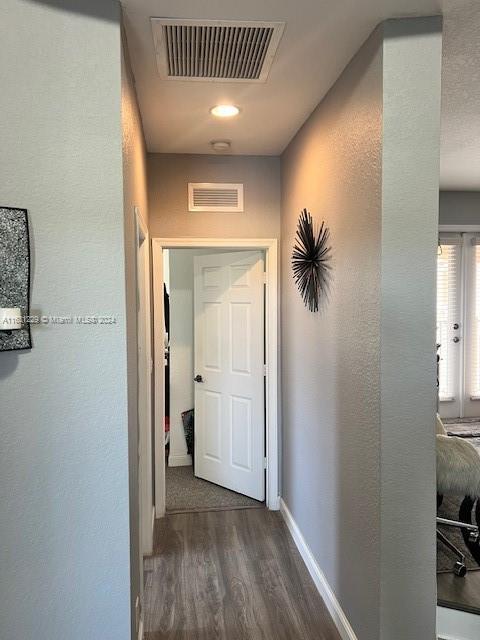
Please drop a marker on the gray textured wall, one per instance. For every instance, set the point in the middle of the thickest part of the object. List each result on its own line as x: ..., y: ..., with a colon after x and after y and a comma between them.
x: 460, y: 207
x: 64, y: 494
x: 135, y: 195
x: 411, y: 157
x: 169, y: 175
x: 330, y: 372
x: 356, y: 386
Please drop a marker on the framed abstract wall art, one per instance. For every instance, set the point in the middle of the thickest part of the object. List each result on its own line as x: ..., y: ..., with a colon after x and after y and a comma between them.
x: 14, y: 279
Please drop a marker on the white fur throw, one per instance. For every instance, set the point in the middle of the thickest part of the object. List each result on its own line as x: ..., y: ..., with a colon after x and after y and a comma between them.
x: 458, y: 467
x: 439, y: 427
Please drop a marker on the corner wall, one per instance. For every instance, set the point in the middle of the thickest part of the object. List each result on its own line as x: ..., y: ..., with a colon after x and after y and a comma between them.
x: 358, y: 378
x: 330, y: 360
x: 64, y: 487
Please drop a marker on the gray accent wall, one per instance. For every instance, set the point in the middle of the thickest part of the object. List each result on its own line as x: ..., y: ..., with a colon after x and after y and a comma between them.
x: 358, y: 378
x: 64, y: 484
x: 135, y: 195
x: 412, y: 53
x: 460, y: 207
x: 330, y: 360
x: 168, y: 178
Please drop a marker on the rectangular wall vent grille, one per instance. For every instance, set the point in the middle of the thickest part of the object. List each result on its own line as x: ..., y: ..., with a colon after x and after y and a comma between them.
x: 215, y: 50
x: 219, y: 197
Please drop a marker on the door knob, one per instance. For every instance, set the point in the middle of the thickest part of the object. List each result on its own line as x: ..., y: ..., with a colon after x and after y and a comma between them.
x: 456, y: 339
x: 198, y: 378
x: 456, y: 326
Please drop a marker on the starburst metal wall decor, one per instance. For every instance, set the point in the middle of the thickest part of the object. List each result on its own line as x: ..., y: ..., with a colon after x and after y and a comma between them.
x: 311, y: 261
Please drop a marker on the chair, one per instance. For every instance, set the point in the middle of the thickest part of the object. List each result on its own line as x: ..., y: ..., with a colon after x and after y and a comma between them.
x: 458, y: 474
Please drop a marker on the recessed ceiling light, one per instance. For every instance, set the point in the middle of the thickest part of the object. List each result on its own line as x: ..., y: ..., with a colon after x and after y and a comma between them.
x: 225, y: 110
x: 221, y: 145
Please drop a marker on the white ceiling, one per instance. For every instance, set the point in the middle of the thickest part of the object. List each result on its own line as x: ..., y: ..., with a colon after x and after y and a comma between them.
x: 321, y: 36
x: 460, y: 151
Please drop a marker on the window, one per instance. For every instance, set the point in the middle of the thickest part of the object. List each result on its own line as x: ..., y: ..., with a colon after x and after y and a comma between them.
x: 473, y: 319
x: 458, y: 324
x: 448, y: 312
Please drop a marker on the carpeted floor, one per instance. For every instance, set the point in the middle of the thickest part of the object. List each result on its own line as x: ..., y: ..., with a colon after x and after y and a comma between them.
x: 464, y: 428
x: 187, y: 493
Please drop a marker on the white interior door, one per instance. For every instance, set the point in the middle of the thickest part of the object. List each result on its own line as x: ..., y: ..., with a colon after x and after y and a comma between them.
x: 229, y: 371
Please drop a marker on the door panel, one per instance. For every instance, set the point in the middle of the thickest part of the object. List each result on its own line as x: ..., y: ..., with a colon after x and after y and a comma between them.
x: 213, y: 346
x: 240, y: 333
x: 241, y: 421
x: 229, y: 367
x: 212, y: 415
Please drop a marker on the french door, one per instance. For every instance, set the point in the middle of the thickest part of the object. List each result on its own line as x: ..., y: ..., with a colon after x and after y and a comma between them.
x: 458, y: 324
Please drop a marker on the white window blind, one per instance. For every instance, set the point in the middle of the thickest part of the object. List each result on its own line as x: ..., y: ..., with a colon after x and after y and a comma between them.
x: 448, y: 312
x: 473, y: 294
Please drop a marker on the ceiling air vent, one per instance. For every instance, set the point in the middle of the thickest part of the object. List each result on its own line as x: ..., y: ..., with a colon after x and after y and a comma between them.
x: 215, y: 50
x: 215, y: 196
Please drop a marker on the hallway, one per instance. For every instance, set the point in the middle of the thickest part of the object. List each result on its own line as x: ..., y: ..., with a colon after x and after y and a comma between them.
x: 230, y: 574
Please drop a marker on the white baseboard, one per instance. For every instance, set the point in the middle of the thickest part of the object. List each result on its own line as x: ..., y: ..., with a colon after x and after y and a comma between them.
x: 340, y: 619
x: 180, y: 461
x: 274, y: 503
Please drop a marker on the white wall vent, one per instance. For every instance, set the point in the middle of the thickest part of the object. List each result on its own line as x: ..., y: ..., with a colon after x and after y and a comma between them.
x: 221, y: 197
x: 215, y: 50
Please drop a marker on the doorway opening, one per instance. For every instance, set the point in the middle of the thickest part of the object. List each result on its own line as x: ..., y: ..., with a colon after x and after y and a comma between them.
x: 215, y: 328
x: 458, y: 325
x: 214, y: 379
x: 458, y: 423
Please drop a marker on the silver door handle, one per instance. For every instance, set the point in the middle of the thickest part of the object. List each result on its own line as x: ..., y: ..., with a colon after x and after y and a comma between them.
x: 198, y: 378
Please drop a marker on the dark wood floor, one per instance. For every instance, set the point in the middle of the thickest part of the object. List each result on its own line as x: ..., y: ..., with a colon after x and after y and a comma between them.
x: 459, y: 593
x: 230, y: 575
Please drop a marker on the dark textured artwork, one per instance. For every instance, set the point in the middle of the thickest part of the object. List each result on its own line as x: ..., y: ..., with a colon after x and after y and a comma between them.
x: 14, y: 274
x: 311, y: 261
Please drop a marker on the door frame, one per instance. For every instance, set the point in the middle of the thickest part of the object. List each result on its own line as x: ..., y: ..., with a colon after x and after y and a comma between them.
x: 270, y: 246
x: 145, y: 432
